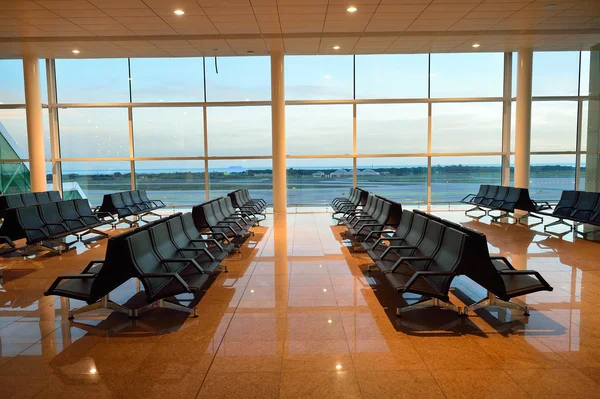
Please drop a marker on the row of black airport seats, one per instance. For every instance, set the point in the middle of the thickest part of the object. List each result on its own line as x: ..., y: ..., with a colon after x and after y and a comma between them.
x: 168, y: 256
x: 576, y: 206
x: 356, y: 198
x: 19, y: 200
x: 425, y: 253
x: 252, y: 207
x: 222, y: 219
x: 49, y: 225
x: 504, y: 199
x: 377, y: 213
x: 134, y: 203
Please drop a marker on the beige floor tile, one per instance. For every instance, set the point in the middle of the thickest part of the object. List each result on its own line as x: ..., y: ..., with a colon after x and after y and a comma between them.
x: 248, y: 356
x: 162, y: 386
x: 478, y: 384
x: 317, y: 356
x: 85, y: 386
x: 319, y: 384
x: 23, y: 386
x: 555, y: 383
x: 382, y: 355
x: 398, y: 384
x: 244, y: 329
x: 241, y: 385
x: 452, y: 353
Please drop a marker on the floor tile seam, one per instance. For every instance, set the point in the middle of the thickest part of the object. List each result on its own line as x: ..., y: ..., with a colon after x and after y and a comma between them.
x: 37, y: 394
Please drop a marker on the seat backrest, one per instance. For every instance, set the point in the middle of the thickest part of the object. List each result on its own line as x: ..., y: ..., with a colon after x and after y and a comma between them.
x: 119, y: 204
x: 135, y: 196
x: 143, y: 195
x: 405, y: 224
x: 229, y: 205
x: 386, y: 206
x: 189, y: 227
x: 501, y: 194
x: 511, y: 199
x: 29, y: 199
x: 107, y: 204
x: 491, y: 193
x: 567, y: 202
x: 144, y: 260
x: 219, y: 209
x: 161, y: 241
x: 585, y: 204
x: 54, y: 196
x: 364, y: 194
x: 199, y: 216
x: 483, y: 189
x: 127, y: 199
x: 83, y: 207
x: 13, y: 201
x: 51, y: 215
x: 29, y: 218
x: 432, y: 238
x: 417, y: 229
x: 447, y: 259
x: 369, y: 205
x: 177, y: 233
x: 67, y: 210
x: 43, y: 197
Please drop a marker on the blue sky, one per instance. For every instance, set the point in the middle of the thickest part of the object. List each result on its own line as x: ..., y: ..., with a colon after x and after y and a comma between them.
x: 311, y: 130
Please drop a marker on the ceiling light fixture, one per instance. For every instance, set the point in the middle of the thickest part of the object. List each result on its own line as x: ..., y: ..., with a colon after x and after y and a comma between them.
x: 351, y: 9
x: 476, y: 45
x: 336, y: 47
x: 93, y: 370
x: 179, y: 12
x: 76, y: 51
x: 338, y: 367
x: 550, y: 6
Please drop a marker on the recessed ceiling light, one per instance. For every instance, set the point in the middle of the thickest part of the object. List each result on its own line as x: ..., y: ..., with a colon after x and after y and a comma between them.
x: 476, y: 45
x: 338, y: 367
x: 324, y: 289
x: 76, y: 51
x: 336, y: 47
x: 179, y: 12
x: 329, y: 321
x: 351, y: 9
x: 550, y: 6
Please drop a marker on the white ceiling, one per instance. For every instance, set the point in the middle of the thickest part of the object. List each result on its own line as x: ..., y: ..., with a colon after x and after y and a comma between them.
x: 149, y: 28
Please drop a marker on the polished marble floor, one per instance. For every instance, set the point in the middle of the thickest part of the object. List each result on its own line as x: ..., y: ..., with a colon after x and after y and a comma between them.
x: 298, y: 316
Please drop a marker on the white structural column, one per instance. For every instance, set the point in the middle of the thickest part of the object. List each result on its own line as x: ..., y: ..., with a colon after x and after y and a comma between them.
x: 35, y: 132
x: 278, y: 132
x: 523, y: 119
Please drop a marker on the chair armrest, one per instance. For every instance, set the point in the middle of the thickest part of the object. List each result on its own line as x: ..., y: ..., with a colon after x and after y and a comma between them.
x: 174, y: 275
x: 408, y: 258
x: 209, y: 240
x: 378, y: 232
x: 504, y: 260
x: 217, y: 234
x: 467, y: 196
x: 81, y: 276
x: 92, y: 263
x: 527, y: 273
x: 186, y: 260
x: 420, y: 274
x: 368, y: 225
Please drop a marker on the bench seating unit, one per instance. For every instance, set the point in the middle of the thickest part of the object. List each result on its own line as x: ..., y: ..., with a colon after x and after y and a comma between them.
x: 576, y: 206
x: 158, y: 254
x: 356, y: 199
x: 240, y: 204
x: 25, y: 199
x: 506, y: 200
x: 129, y: 204
x: 49, y: 225
x: 494, y: 273
x: 371, y: 221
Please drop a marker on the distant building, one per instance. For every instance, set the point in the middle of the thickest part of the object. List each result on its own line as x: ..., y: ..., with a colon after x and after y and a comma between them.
x: 367, y: 172
x: 318, y: 174
x: 341, y: 173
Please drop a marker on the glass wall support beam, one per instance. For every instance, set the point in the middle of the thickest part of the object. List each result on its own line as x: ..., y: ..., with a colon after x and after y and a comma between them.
x: 523, y: 118
x: 592, y: 159
x: 35, y: 130
x: 53, y: 123
x: 506, y: 114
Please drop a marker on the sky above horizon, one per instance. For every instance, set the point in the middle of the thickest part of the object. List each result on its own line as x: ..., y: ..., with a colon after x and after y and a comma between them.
x: 311, y: 129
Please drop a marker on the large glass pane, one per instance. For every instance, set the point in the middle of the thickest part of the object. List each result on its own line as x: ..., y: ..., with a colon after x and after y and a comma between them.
x: 584, y: 80
x: 93, y: 133
x: 391, y: 128
x: 549, y: 175
x: 94, y: 179
x: 553, y: 125
x: 256, y: 175
x: 323, y: 77
x: 467, y: 75
x: 317, y: 181
x: 466, y: 127
x: 176, y: 183
x: 167, y: 79
x: 92, y: 81
x: 318, y: 129
x: 400, y: 179
x: 180, y: 132
x: 555, y: 73
x: 391, y: 76
x: 234, y: 131
x: 12, y: 90
x: 238, y: 79
x: 13, y: 132
x: 452, y: 178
